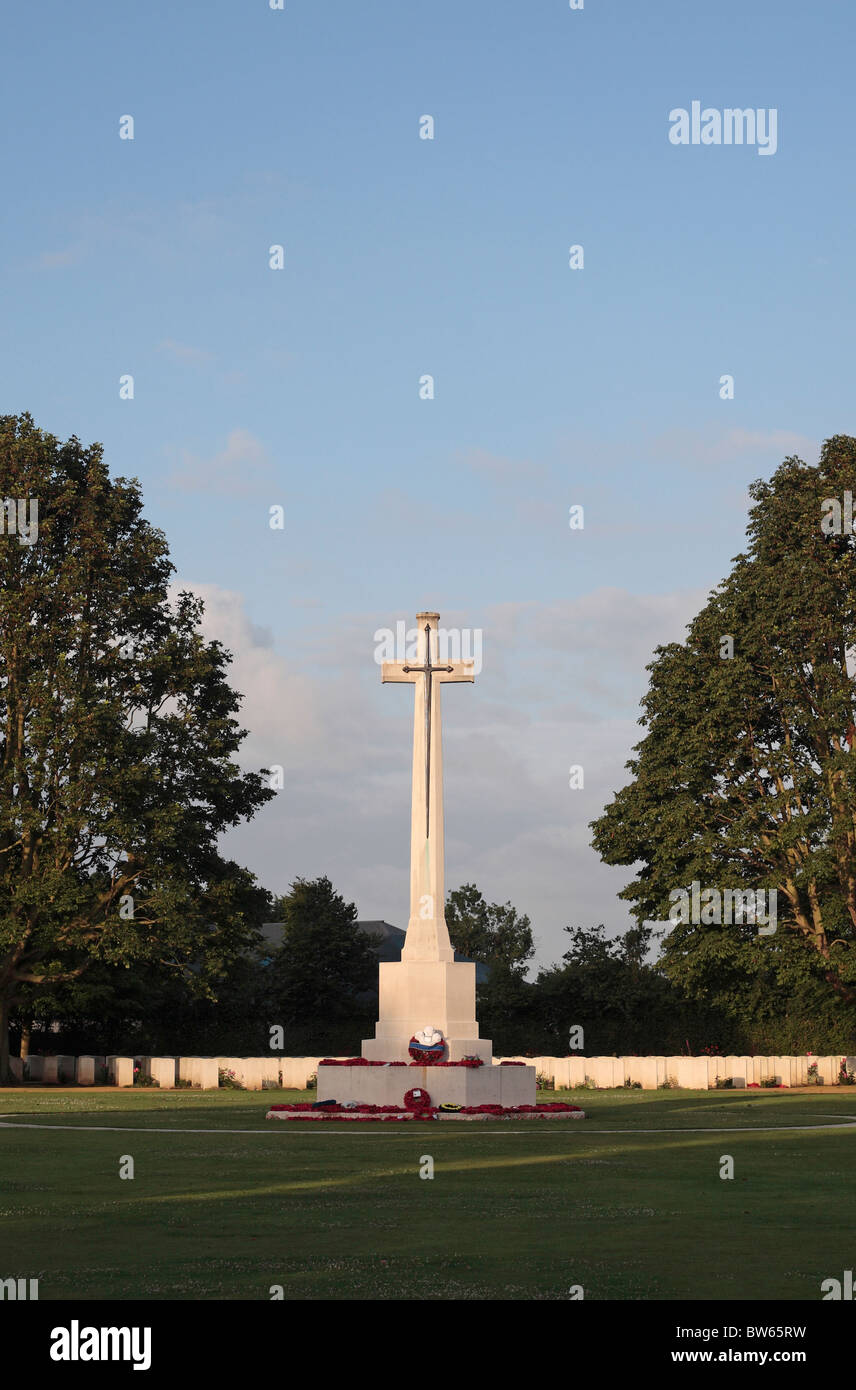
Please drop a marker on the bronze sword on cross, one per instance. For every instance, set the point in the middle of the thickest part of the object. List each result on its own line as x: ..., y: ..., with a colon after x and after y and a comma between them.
x: 431, y: 673
x: 428, y: 671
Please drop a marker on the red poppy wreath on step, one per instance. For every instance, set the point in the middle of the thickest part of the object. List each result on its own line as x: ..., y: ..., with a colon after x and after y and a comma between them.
x: 417, y: 1099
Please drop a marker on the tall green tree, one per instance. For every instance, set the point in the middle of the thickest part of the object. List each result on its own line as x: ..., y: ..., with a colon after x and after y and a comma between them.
x: 746, y: 776
x: 621, y: 1001
x: 118, y: 739
x: 492, y: 933
x: 323, y: 970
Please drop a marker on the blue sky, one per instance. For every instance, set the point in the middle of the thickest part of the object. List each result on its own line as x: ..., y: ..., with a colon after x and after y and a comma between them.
x: 403, y: 256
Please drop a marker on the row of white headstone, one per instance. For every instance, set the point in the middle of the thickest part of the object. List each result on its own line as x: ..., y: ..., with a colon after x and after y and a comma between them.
x: 257, y: 1073
x: 689, y: 1073
x: 93, y: 1070
x: 204, y: 1073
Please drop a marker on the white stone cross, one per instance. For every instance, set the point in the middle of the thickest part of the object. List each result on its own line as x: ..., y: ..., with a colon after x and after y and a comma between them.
x: 427, y: 934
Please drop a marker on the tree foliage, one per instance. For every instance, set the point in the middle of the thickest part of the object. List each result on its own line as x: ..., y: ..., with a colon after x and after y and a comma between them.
x: 321, y: 970
x: 746, y: 776
x: 496, y: 935
x: 118, y: 739
x: 604, y: 986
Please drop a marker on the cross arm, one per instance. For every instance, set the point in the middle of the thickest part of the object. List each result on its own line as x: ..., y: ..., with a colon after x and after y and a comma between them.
x: 456, y: 671
x: 398, y: 672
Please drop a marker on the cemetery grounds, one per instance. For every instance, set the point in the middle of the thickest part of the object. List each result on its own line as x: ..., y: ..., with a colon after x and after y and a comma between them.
x: 627, y: 1204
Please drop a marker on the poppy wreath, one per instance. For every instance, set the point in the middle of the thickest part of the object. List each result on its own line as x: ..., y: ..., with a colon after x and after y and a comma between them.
x: 426, y: 1052
x: 417, y: 1099
x: 464, y: 1062
x: 356, y: 1062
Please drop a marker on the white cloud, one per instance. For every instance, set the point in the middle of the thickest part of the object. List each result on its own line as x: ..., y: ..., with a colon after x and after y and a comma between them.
x: 184, y: 352
x: 560, y: 685
x: 52, y: 260
x: 240, y: 469
x: 501, y: 470
x: 725, y: 446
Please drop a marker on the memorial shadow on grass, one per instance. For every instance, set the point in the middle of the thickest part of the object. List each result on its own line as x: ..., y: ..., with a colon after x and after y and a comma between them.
x: 514, y: 1210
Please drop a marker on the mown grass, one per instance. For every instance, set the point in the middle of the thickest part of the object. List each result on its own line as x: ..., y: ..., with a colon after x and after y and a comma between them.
x: 627, y: 1203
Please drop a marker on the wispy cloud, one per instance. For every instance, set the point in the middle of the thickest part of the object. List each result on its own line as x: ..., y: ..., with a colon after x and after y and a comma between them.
x: 705, y: 447
x: 183, y: 352
x: 242, y: 468
x: 560, y: 686
x: 53, y: 260
x: 499, y: 469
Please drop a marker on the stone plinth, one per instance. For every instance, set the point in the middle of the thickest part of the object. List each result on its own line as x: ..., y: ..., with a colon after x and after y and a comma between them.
x: 485, y: 1085
x: 416, y: 993
x: 385, y: 1049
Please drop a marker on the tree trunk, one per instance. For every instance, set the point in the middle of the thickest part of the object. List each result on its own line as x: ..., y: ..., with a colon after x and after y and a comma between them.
x: 26, y: 1031
x: 6, y: 1078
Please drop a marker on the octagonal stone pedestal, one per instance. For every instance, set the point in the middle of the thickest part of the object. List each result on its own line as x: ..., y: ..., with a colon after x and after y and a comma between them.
x: 486, y: 1085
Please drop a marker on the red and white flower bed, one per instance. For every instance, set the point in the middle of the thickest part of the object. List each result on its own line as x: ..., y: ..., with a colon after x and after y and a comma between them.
x: 309, y: 1110
x: 364, y: 1062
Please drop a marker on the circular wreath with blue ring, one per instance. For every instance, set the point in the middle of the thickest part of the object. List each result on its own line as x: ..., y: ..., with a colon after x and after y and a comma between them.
x: 419, y: 1053
x: 427, y: 1046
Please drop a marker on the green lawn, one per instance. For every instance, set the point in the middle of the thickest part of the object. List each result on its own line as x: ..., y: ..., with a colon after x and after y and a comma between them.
x: 627, y: 1203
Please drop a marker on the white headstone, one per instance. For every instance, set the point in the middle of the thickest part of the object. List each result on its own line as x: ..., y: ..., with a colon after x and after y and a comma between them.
x: 121, y: 1070
x: 86, y: 1071
x: 206, y: 1074
x: 162, y: 1070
